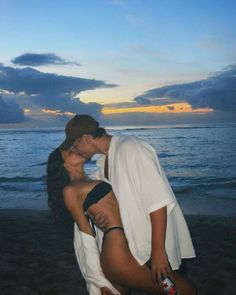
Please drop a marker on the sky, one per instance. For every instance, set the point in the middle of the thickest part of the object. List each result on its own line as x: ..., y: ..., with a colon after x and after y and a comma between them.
x: 125, y: 62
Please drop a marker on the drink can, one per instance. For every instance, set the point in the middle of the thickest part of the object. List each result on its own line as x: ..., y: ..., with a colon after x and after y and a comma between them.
x: 169, y: 287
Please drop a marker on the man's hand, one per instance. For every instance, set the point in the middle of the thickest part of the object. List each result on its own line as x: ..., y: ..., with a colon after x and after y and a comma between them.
x: 100, y: 219
x: 160, y: 266
x: 106, y: 291
x: 159, y: 259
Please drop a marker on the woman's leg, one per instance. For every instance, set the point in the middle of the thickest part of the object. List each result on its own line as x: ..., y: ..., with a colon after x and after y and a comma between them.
x: 121, y: 268
x: 122, y: 290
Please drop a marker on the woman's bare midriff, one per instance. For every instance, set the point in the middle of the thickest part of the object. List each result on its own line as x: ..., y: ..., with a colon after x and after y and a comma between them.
x: 109, y: 206
x: 115, y: 249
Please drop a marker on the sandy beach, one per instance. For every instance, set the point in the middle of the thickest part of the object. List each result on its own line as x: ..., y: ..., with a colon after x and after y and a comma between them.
x: 38, y: 259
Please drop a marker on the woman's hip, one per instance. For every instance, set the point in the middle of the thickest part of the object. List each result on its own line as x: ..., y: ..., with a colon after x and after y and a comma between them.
x: 115, y: 249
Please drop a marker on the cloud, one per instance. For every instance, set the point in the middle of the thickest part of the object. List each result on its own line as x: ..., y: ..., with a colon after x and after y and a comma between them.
x: 33, y: 82
x: 143, y: 100
x: 170, y: 108
x: 10, y: 112
x: 217, y: 91
x: 37, y: 59
x: 32, y: 88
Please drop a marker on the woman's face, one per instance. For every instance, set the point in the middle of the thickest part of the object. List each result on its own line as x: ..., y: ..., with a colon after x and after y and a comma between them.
x: 72, y: 159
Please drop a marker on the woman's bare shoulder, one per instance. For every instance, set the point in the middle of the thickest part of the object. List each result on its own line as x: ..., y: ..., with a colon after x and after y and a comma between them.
x: 72, y: 197
x: 70, y: 189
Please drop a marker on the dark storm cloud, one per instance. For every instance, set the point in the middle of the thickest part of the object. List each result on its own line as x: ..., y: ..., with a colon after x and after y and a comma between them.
x: 65, y: 103
x: 217, y: 91
x: 49, y: 91
x: 33, y: 82
x: 36, y: 59
x: 142, y: 100
x: 10, y: 112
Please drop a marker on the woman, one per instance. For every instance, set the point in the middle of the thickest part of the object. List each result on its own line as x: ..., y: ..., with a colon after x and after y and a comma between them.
x: 84, y: 198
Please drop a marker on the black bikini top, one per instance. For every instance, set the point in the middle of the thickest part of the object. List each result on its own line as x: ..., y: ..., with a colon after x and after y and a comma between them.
x: 97, y: 193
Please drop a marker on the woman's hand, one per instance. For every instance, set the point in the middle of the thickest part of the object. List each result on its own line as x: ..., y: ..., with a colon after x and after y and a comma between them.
x: 160, y: 266
x: 106, y: 291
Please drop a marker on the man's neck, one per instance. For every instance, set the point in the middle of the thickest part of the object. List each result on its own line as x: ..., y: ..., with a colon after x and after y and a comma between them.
x: 103, y: 144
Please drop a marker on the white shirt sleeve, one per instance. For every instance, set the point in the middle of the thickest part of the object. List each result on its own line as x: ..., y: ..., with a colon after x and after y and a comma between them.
x: 88, y: 258
x: 151, y: 180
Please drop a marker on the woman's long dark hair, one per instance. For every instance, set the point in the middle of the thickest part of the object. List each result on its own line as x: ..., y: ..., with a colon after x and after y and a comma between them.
x: 57, y: 179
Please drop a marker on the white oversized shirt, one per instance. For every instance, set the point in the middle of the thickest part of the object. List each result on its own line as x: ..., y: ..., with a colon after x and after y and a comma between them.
x: 141, y: 187
x: 88, y: 257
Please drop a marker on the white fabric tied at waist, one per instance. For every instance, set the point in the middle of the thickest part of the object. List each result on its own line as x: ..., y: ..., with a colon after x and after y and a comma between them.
x: 88, y: 258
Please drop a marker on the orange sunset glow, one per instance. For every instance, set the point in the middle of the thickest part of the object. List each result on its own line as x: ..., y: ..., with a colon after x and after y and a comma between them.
x: 26, y: 111
x: 57, y: 112
x: 169, y: 108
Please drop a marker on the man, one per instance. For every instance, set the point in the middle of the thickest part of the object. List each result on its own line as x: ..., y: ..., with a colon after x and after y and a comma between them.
x: 153, y: 221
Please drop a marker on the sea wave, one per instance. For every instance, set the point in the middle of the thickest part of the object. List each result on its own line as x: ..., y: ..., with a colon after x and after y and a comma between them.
x: 23, y: 187
x: 205, y: 187
x: 230, y: 125
x: 18, y: 179
x: 39, y: 164
x: 167, y: 155
x: 23, y: 184
x: 136, y: 129
x: 28, y: 131
x: 202, y: 127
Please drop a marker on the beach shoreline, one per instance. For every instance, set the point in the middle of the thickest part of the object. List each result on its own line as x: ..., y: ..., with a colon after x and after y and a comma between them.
x: 36, y: 258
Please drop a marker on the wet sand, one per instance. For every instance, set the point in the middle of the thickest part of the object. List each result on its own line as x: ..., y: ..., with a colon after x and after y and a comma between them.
x: 38, y: 259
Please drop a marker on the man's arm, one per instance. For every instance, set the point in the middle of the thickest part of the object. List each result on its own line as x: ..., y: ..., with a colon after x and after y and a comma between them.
x: 159, y: 260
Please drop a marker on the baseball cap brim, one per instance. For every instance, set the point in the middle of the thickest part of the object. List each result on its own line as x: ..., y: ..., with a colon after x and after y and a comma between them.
x: 77, y: 127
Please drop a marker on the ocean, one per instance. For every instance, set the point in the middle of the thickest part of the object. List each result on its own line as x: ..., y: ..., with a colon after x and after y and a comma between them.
x: 199, y: 161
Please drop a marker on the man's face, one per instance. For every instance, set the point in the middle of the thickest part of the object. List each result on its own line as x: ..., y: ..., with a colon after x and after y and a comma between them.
x: 83, y: 145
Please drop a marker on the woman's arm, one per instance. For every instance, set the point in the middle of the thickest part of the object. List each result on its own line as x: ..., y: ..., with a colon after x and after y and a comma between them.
x: 75, y: 207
